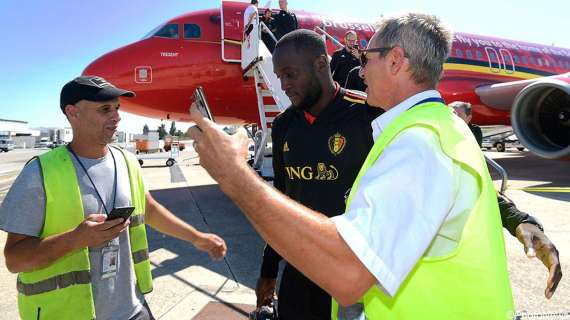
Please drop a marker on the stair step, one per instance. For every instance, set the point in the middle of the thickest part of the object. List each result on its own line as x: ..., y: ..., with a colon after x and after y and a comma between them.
x: 271, y: 108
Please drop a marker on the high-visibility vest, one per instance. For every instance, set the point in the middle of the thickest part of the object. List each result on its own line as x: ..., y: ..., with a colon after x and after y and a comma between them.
x: 472, y: 282
x: 62, y: 290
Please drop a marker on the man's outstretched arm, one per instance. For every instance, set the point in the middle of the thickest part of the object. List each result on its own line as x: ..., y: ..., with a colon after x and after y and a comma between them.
x: 536, y: 244
x: 306, y: 238
x: 161, y: 219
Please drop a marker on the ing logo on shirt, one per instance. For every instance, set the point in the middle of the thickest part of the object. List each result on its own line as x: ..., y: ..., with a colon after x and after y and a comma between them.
x: 322, y: 172
x: 337, y: 142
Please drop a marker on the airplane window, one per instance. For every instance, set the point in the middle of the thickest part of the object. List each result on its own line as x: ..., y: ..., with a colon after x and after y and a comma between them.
x: 459, y: 53
x: 524, y: 60
x: 169, y: 31
x: 507, y: 59
x: 469, y: 54
x: 479, y: 54
x: 532, y: 60
x: 546, y: 62
x: 517, y: 59
x: 191, y: 31
x: 493, y: 56
x: 539, y: 61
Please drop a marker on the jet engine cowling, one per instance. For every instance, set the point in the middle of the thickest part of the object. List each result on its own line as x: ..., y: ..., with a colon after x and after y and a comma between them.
x: 540, y: 117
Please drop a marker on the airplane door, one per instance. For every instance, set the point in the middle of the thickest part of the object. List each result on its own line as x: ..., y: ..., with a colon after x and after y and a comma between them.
x: 508, y: 62
x: 493, y: 58
x: 232, y: 29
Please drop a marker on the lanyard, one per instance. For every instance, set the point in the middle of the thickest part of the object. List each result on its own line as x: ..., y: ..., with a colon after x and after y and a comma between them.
x: 91, y: 180
x: 432, y: 99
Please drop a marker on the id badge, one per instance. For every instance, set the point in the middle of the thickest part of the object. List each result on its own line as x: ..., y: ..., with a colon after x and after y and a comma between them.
x: 110, y: 261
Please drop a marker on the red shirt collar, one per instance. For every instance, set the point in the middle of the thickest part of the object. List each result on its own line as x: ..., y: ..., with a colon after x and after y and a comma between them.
x: 312, y: 118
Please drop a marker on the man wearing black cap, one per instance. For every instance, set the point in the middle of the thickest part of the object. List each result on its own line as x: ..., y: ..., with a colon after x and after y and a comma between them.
x: 73, y: 260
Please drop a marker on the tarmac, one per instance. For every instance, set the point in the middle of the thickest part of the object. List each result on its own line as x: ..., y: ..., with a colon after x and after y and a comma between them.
x: 189, y: 285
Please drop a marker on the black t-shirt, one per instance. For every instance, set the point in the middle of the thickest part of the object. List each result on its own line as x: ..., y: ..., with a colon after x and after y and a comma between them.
x: 316, y: 165
x: 476, y: 130
x: 341, y: 63
x: 284, y: 22
x: 354, y: 81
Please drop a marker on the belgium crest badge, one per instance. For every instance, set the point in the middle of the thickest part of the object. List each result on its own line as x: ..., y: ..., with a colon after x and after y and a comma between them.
x: 337, y: 142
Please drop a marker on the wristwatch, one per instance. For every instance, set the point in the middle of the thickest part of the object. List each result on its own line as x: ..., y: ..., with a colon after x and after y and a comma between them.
x: 532, y: 220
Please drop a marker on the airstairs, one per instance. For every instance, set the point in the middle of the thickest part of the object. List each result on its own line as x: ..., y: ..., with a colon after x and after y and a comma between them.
x: 256, y: 63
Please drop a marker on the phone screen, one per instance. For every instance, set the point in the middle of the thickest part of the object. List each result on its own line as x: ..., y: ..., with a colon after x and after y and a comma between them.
x: 120, y: 212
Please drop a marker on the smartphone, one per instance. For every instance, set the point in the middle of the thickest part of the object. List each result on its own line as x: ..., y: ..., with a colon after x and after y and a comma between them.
x: 202, y: 104
x: 120, y: 212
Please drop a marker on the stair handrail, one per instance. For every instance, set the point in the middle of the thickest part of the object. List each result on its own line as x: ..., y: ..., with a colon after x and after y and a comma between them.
x: 335, y: 41
x: 502, y: 172
x: 264, y: 26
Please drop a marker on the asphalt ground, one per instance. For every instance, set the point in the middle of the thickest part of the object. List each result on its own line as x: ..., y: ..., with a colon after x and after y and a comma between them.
x: 188, y: 285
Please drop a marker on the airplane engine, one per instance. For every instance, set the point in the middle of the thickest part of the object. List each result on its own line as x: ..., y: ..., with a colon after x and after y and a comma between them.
x: 540, y: 117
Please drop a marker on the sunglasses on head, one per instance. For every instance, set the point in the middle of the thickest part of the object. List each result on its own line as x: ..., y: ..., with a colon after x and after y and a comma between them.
x: 364, y: 59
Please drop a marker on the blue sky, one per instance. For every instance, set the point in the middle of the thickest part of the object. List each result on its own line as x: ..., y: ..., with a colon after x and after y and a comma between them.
x: 47, y: 43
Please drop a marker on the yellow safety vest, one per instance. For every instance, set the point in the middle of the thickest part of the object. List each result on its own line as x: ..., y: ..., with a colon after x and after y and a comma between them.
x: 62, y: 290
x: 472, y: 282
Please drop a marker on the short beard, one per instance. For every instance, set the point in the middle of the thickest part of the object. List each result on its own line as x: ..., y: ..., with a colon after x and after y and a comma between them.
x: 314, y: 93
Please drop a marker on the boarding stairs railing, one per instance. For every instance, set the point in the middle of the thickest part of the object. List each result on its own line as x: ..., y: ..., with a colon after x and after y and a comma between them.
x: 256, y: 62
x: 326, y: 36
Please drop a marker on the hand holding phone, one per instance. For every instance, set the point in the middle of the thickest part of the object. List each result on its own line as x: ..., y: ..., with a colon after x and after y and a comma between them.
x: 120, y: 212
x: 355, y: 51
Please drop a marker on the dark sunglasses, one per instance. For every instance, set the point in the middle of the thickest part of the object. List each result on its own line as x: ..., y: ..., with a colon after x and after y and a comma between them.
x: 364, y: 60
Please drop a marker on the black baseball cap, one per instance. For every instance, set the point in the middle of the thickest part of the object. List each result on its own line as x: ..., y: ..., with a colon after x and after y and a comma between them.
x: 91, y: 88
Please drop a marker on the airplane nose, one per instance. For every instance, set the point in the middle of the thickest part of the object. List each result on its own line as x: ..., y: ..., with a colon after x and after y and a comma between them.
x: 108, y: 67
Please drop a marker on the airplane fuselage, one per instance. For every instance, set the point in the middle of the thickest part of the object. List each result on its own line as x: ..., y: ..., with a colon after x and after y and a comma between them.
x: 202, y: 48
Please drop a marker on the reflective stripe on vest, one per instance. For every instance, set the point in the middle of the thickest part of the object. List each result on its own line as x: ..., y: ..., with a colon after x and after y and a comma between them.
x: 140, y: 256
x: 472, y: 281
x: 136, y: 220
x: 58, y: 282
x: 62, y: 290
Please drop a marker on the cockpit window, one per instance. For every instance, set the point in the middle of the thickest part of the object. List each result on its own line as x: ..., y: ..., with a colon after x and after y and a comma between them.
x: 169, y: 31
x: 191, y: 31
x: 152, y: 32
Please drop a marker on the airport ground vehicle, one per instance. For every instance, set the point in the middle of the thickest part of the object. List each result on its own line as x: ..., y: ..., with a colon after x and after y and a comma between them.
x: 44, y: 143
x: 169, y: 156
x: 6, y: 145
x: 502, y: 143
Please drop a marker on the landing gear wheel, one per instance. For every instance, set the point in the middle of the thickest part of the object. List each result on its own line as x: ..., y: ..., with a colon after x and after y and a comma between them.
x: 170, y: 162
x: 141, y: 162
x: 520, y: 149
x: 500, y: 146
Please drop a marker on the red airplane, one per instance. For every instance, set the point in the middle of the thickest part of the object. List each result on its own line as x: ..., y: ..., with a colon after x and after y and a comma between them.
x: 508, y: 82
